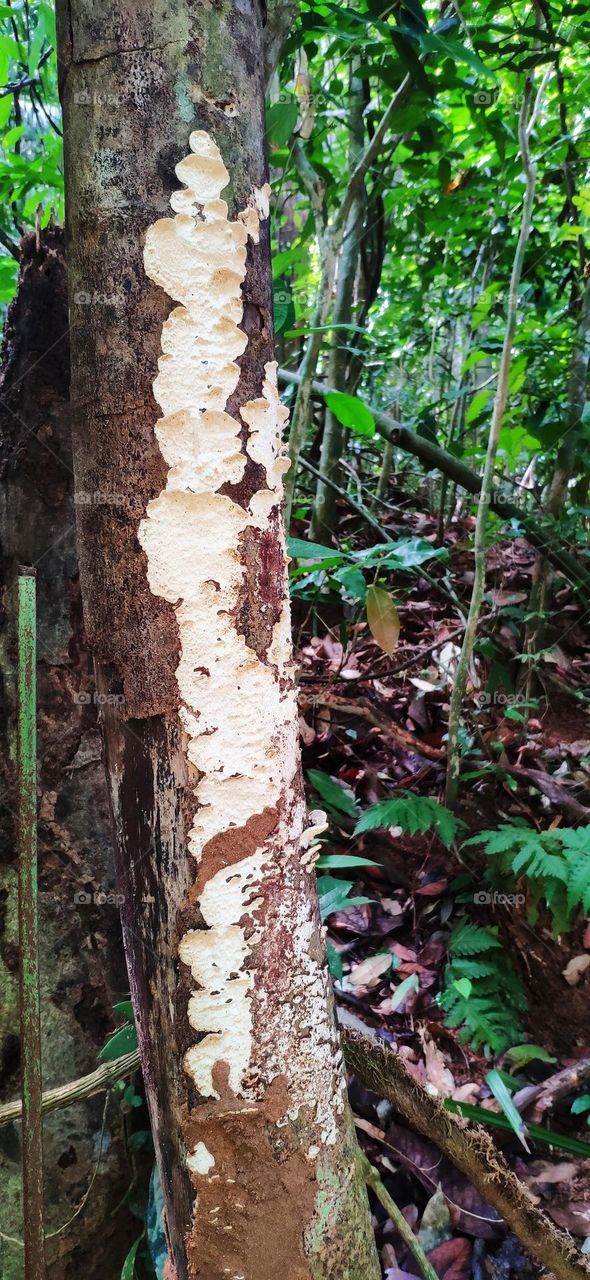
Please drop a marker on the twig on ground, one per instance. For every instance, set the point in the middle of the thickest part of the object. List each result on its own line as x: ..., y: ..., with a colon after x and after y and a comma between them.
x: 550, y: 1091
x: 382, y: 722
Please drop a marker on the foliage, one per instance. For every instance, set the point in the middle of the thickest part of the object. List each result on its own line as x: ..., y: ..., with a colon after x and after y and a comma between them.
x: 412, y: 813
x: 440, y: 223
x: 383, y: 619
x: 581, y: 1106
x: 479, y: 969
x: 554, y: 865
x: 335, y: 797
x: 334, y: 896
x: 500, y: 1086
x: 324, y: 570
x: 551, y: 1137
x: 31, y: 166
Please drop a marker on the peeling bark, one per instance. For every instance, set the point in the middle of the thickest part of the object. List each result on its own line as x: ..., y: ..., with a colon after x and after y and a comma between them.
x: 184, y: 581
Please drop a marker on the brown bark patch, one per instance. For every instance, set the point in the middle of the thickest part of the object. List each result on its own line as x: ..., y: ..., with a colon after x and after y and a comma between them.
x: 233, y: 845
x: 263, y: 587
x: 258, y: 1179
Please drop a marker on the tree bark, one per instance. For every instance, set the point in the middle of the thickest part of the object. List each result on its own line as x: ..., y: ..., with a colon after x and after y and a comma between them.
x: 81, y: 953
x: 324, y: 516
x: 184, y: 582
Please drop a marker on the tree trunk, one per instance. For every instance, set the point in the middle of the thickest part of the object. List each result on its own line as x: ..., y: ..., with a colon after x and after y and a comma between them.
x: 324, y: 516
x: 81, y: 954
x: 185, y: 591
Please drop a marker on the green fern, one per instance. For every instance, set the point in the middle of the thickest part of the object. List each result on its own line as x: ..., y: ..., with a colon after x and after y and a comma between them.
x: 489, y: 1005
x: 411, y: 813
x: 555, y: 864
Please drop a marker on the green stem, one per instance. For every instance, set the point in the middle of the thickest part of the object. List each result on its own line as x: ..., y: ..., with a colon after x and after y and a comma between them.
x: 373, y: 1180
x: 487, y: 483
x: 30, y: 1014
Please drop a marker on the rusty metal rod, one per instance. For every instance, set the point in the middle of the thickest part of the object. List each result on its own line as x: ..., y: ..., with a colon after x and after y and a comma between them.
x: 30, y: 1019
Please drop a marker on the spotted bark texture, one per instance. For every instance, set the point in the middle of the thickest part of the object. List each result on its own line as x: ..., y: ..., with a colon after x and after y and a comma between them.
x: 81, y: 952
x: 177, y: 418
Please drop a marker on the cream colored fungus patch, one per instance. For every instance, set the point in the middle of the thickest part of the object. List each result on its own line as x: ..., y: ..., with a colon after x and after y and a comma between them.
x: 239, y: 712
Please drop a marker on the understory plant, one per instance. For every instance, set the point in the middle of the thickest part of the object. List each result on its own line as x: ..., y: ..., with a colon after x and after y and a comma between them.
x: 482, y: 993
x: 553, y: 867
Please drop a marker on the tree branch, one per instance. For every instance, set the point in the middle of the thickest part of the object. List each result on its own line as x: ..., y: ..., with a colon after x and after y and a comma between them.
x: 65, y: 1095
x: 437, y: 459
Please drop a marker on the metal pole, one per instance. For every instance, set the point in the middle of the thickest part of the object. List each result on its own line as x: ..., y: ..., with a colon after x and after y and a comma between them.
x: 30, y: 1022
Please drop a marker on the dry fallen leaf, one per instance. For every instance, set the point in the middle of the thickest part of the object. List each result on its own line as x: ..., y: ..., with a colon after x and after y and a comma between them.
x: 543, y: 1171
x: 437, y: 1071
x: 383, y: 619
x: 575, y: 968
x: 370, y: 971
x: 308, y: 734
x: 435, y: 1227
x: 575, y: 1216
x: 452, y: 1259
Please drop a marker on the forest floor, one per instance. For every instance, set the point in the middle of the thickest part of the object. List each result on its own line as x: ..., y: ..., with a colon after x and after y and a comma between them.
x: 376, y: 726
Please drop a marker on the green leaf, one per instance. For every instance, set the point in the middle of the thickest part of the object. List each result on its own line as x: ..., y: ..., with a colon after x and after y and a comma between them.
x: 383, y: 619
x: 521, y: 1054
x: 123, y: 1041
x: 343, y: 860
x: 141, y: 1140
x: 411, y: 983
x: 535, y: 1131
x: 484, y: 303
x: 464, y: 987
x: 478, y: 404
x: 44, y: 33
x: 411, y: 813
x: 128, y: 1269
x: 581, y: 1104
x: 299, y: 549
x: 13, y: 135
x: 125, y: 1010
x: 334, y: 962
x: 352, y: 582
x: 282, y: 304
x: 333, y: 896
x: 280, y: 122
x: 351, y: 412
x: 332, y: 793
x: 501, y: 1094
x: 409, y: 553
x: 5, y: 110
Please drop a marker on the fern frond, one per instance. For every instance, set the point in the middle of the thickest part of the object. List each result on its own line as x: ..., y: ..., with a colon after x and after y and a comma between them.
x: 412, y: 813
x: 469, y: 939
